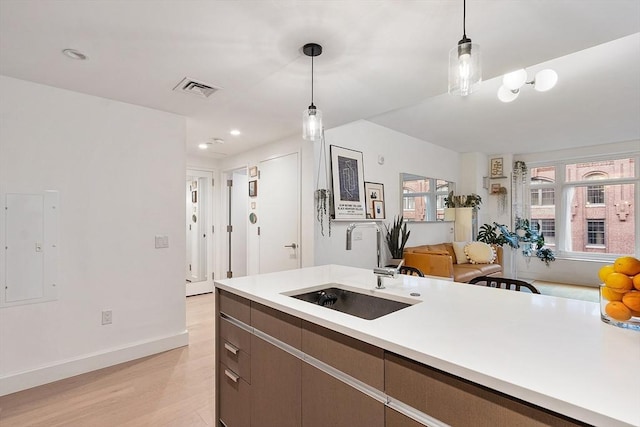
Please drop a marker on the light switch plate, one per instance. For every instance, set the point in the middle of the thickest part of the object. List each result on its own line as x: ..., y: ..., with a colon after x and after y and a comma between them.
x: 162, y: 241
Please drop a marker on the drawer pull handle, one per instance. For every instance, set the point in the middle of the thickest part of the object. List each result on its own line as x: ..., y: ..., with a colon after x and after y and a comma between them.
x: 231, y: 375
x: 231, y: 348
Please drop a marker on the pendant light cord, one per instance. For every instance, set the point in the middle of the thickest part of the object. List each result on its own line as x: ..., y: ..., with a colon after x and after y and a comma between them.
x: 464, y: 22
x: 312, y: 54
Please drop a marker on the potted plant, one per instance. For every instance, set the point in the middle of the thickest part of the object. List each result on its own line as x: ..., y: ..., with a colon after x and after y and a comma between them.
x: 396, y: 237
x: 463, y: 201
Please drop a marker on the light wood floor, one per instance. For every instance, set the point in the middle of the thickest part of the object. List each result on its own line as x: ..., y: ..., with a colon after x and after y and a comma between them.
x: 174, y: 388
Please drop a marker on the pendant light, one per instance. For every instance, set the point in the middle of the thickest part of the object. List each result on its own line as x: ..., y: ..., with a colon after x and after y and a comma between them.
x: 465, y: 72
x: 312, y: 117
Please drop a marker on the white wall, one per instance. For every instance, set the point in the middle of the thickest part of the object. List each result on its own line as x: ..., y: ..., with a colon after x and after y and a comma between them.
x: 120, y: 171
x: 402, y: 153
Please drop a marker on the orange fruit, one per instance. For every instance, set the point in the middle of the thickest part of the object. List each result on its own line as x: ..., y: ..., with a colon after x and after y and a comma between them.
x: 627, y: 265
x: 632, y: 300
x: 617, y: 310
x: 619, y: 282
x: 635, y: 313
x: 636, y: 281
x: 605, y: 271
x: 610, y: 295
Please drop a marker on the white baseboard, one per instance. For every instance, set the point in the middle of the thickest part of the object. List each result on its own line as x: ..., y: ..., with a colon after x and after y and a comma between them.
x: 68, y: 368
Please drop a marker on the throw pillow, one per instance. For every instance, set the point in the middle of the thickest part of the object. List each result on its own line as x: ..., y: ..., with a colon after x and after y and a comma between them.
x: 461, y: 256
x: 480, y: 253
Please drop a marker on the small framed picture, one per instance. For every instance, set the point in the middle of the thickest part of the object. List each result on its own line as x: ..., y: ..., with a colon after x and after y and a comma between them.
x: 194, y: 196
x: 373, y: 192
x: 378, y: 209
x: 495, y: 188
x: 253, y: 171
x: 253, y: 188
x: 497, y: 168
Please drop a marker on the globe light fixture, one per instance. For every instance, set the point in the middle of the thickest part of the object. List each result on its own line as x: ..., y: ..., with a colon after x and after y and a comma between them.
x: 465, y: 71
x: 512, y: 82
x: 312, y: 117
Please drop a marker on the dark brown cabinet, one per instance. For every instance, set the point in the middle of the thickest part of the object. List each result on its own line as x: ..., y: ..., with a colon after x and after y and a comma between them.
x: 278, y: 370
x: 456, y: 401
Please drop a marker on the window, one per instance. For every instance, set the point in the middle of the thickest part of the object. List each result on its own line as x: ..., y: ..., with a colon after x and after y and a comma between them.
x: 595, y: 195
x: 587, y: 209
x: 595, y: 232
x: 548, y: 229
x: 541, y: 194
x: 409, y: 203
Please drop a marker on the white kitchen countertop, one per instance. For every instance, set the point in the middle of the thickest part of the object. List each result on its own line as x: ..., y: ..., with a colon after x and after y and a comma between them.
x: 553, y: 352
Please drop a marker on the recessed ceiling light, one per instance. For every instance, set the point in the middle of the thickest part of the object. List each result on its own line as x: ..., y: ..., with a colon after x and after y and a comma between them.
x: 235, y: 132
x: 74, y: 54
x: 203, y: 146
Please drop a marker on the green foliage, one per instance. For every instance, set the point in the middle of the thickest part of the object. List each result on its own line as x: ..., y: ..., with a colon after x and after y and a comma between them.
x: 488, y: 234
x: 528, y: 235
x: 465, y: 201
x: 397, y: 236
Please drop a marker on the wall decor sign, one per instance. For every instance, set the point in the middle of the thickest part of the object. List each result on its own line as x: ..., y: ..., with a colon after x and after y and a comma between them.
x: 253, y: 188
x: 253, y: 171
x: 497, y: 168
x: 373, y: 192
x: 347, y: 173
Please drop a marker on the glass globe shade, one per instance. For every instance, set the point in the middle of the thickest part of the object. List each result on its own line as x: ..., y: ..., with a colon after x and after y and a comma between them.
x: 545, y: 80
x: 506, y: 95
x: 515, y: 79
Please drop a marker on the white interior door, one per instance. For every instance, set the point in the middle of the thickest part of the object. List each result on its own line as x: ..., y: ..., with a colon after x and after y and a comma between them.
x: 199, y: 229
x: 236, y: 220
x: 279, y: 214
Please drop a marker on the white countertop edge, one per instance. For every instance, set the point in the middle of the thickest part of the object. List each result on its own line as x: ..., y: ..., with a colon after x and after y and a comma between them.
x: 537, y: 398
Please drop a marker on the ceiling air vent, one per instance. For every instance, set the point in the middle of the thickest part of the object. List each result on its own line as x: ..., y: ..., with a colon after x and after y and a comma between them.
x: 195, y: 87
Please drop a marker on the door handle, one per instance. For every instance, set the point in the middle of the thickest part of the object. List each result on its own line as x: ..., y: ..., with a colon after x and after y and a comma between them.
x: 231, y: 348
x: 231, y: 375
x: 292, y: 246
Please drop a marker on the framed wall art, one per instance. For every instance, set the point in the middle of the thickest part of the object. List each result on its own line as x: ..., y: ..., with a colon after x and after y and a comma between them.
x: 347, y: 173
x: 253, y: 171
x: 378, y: 209
x: 373, y: 192
x: 497, y: 168
x: 253, y: 188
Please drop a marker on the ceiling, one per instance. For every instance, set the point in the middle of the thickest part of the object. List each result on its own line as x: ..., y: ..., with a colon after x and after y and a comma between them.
x: 385, y: 61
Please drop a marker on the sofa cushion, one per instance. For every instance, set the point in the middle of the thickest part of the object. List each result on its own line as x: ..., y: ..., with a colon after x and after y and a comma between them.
x: 465, y: 272
x: 461, y: 256
x: 480, y: 253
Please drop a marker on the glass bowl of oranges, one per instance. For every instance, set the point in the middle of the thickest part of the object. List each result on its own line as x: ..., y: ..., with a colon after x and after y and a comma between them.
x: 620, y: 293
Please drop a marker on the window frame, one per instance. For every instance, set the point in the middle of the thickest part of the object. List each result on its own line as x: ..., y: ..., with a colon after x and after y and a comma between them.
x: 563, y: 189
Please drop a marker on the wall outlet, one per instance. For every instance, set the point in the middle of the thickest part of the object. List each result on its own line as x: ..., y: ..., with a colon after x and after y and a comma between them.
x: 107, y: 317
x: 163, y: 241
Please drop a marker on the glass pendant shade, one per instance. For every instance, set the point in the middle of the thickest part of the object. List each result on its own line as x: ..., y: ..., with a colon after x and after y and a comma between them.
x: 465, y: 72
x: 515, y: 79
x: 312, y: 123
x: 545, y: 80
x: 507, y: 95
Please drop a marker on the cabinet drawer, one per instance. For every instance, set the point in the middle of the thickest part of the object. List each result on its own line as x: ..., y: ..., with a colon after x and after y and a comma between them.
x: 235, y: 359
x: 279, y: 325
x: 351, y: 356
x: 235, y: 395
x: 235, y: 306
x: 459, y: 402
x: 239, y: 338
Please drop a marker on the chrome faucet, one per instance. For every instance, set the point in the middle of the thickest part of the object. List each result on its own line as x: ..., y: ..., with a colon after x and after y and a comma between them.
x: 380, y: 272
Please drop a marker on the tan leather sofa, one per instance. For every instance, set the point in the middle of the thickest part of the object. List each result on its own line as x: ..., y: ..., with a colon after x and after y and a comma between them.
x: 440, y: 260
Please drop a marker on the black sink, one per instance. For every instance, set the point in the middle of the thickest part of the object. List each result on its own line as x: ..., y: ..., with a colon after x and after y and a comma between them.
x: 364, y: 306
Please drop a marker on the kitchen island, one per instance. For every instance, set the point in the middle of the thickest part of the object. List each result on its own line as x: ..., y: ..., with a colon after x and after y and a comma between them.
x: 519, y: 351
